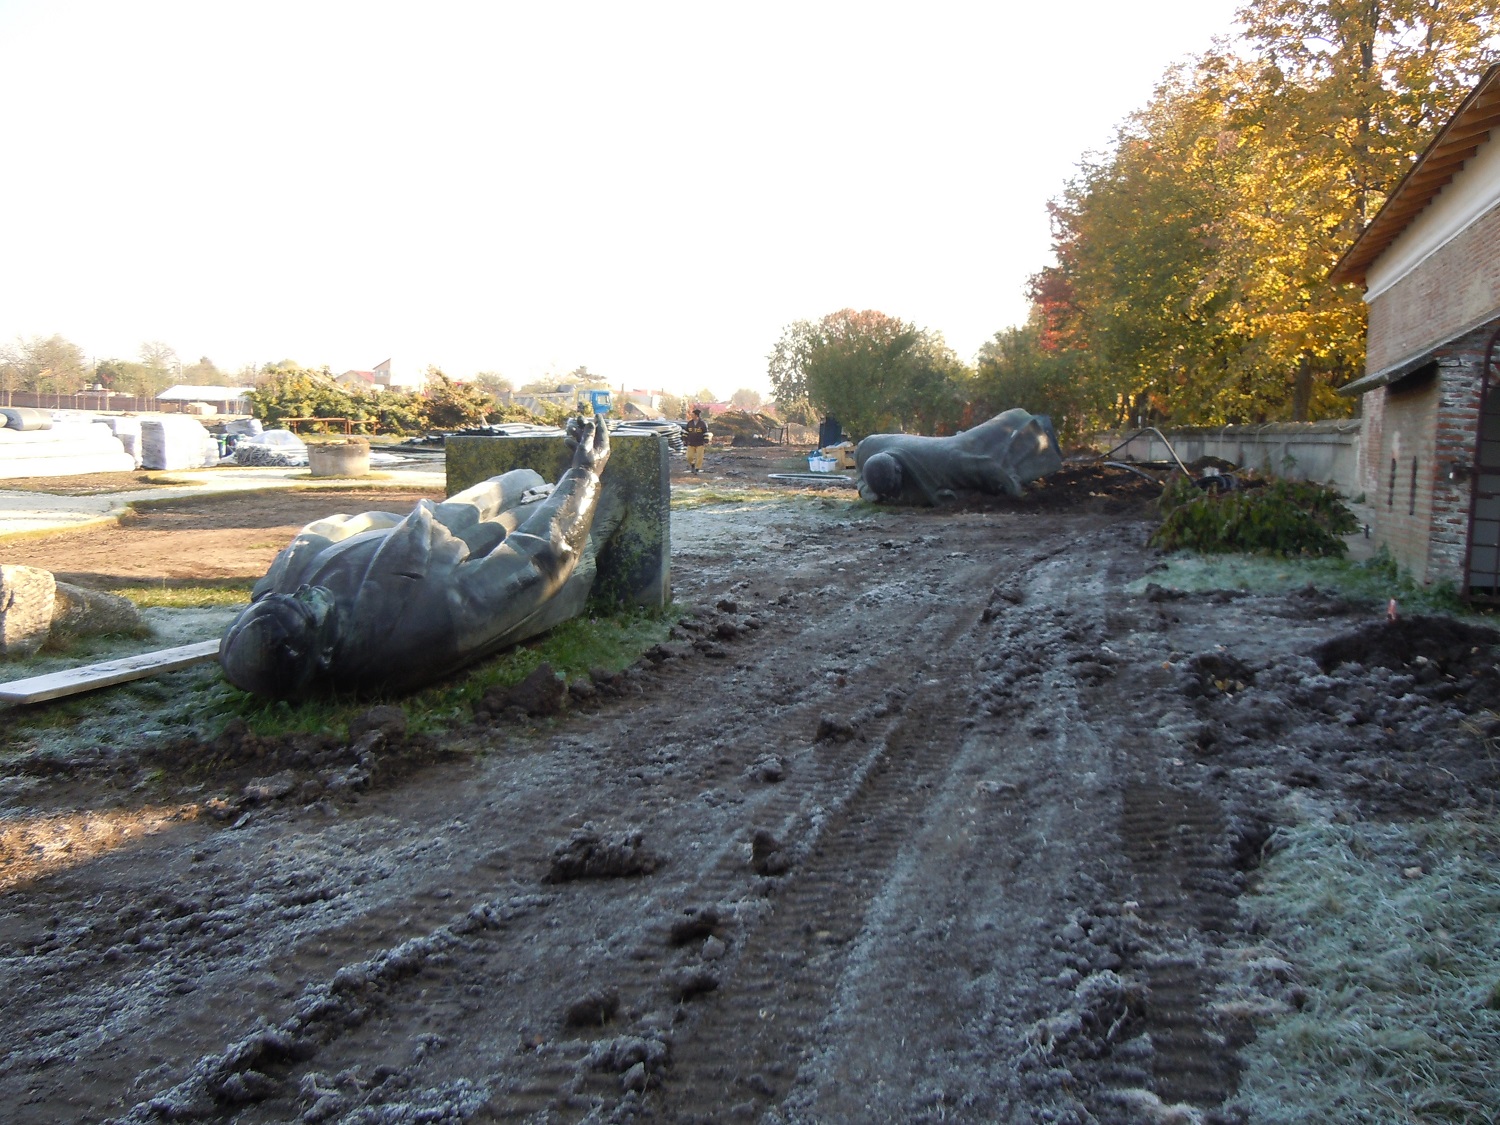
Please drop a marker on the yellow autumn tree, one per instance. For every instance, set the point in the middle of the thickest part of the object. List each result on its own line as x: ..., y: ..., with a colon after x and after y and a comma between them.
x: 1192, y: 258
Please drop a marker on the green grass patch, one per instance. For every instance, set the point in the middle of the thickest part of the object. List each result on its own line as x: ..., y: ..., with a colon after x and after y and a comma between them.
x: 1376, y: 580
x: 572, y: 648
x: 370, y: 483
x: 1394, y: 930
x: 229, y: 592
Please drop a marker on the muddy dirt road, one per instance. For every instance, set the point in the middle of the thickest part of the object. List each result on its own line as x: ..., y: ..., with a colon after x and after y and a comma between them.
x: 917, y: 817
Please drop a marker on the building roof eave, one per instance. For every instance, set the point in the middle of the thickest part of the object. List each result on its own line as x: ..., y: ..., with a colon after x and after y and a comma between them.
x: 1443, y: 158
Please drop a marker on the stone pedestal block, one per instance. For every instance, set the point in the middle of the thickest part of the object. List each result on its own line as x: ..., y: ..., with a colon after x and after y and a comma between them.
x: 341, y: 459
x: 27, y: 598
x: 632, y: 529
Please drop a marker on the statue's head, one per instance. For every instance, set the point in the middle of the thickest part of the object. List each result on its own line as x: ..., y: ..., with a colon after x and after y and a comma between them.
x: 882, y: 475
x: 281, y: 644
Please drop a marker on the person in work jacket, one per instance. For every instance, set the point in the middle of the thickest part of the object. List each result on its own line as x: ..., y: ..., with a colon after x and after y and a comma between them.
x: 695, y: 437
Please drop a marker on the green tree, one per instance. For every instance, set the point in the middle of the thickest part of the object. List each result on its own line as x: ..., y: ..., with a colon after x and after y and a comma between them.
x: 873, y: 372
x: 746, y: 399
x: 673, y: 406
x: 787, y: 364
x: 492, y: 383
x: 937, y: 386
x: 1016, y: 368
x: 126, y: 376
x: 288, y: 390
x: 204, y: 374
x: 451, y: 405
x: 45, y: 365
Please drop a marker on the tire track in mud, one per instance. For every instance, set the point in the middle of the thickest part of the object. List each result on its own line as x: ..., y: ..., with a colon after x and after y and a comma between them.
x: 742, y: 1051
x: 727, y: 901
x: 555, y: 1079
x: 1171, y: 836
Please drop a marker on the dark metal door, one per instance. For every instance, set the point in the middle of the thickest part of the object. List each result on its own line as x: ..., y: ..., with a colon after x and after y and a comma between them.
x: 1482, y: 566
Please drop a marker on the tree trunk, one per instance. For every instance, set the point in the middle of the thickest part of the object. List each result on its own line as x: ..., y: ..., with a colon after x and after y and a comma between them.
x: 1302, y: 390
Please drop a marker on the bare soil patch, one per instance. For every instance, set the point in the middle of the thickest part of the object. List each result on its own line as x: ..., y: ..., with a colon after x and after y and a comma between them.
x: 212, y: 537
x: 917, y: 816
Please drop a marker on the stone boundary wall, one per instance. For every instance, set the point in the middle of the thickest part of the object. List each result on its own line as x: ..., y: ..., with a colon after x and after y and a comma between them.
x: 1325, y: 452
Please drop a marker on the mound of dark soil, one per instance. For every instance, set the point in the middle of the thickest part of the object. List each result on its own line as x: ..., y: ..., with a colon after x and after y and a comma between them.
x: 1453, y: 648
x: 1096, y: 487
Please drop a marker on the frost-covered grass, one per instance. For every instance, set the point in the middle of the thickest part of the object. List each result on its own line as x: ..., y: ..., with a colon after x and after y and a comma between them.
x: 1394, y: 931
x: 1375, y: 580
x: 198, y: 702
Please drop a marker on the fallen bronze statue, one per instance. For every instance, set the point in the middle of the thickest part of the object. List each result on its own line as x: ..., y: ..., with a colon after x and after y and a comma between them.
x: 998, y: 456
x: 381, y: 603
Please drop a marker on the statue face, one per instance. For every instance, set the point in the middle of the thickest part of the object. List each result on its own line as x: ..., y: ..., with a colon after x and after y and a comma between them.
x: 280, y: 645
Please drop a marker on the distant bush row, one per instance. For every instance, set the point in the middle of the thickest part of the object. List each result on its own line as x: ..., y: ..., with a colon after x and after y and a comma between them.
x: 295, y: 392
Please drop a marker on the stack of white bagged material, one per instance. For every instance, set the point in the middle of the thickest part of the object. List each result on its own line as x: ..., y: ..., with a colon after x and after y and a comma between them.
x: 173, y: 441
x: 65, y: 448
x: 128, y: 430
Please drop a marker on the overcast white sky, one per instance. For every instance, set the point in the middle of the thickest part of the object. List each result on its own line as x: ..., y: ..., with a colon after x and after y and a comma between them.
x: 653, y: 190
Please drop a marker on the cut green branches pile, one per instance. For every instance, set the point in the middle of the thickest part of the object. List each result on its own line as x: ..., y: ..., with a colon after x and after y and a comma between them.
x: 1281, y: 517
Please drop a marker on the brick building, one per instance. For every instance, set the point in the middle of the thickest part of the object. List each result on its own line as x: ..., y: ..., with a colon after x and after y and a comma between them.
x: 1430, y: 266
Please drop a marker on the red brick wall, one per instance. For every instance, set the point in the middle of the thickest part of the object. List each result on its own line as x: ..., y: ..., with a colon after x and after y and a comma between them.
x: 1456, y: 286
x: 1402, y: 502
x: 1433, y: 421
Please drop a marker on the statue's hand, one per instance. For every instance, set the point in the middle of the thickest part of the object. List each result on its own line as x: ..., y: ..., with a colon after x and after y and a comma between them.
x: 591, y: 451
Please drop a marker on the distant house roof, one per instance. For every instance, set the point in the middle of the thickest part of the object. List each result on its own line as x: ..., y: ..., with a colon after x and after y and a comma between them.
x: 186, y: 392
x: 357, y: 377
x: 1443, y: 159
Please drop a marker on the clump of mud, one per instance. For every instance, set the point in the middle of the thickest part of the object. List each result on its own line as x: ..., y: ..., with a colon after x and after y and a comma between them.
x: 590, y: 853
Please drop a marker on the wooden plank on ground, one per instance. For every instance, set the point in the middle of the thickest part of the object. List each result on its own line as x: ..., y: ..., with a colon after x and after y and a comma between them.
x: 88, y: 677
